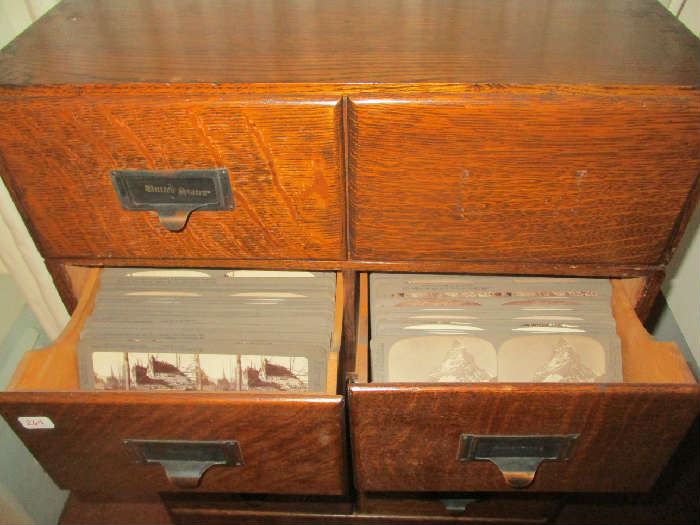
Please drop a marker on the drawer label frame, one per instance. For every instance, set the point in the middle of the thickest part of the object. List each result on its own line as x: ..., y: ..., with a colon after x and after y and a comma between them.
x: 173, y: 194
x: 518, y: 457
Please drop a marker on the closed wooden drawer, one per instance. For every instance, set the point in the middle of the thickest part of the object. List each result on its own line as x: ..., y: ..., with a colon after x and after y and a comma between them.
x: 234, y: 508
x: 521, y: 175
x: 284, y: 443
x: 410, y: 437
x: 494, y: 508
x: 283, y: 157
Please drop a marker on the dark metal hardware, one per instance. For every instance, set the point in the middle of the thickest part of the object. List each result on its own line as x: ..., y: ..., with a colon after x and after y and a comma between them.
x: 517, y: 457
x: 185, y: 462
x: 173, y: 194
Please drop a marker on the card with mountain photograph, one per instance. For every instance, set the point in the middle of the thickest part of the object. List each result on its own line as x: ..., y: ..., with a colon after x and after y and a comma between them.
x: 559, y: 323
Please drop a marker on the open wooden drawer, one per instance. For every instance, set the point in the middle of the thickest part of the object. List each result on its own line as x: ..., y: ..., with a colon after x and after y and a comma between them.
x: 225, y: 442
x: 545, y: 437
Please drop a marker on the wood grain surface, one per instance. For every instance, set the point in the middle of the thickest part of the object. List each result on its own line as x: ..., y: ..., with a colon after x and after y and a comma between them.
x: 63, y: 282
x: 649, y: 294
x: 675, y: 499
x: 55, y: 367
x: 516, y: 507
x: 406, y: 437
x: 290, y: 444
x: 444, y: 266
x: 350, y: 364
x: 259, y: 503
x: 90, y: 510
x: 185, y: 516
x: 245, y: 41
x: 284, y: 158
x: 644, y: 359
x: 538, y: 176
x: 534, y: 137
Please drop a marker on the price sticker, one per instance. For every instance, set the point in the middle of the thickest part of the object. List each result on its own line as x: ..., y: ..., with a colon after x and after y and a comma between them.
x: 35, y: 422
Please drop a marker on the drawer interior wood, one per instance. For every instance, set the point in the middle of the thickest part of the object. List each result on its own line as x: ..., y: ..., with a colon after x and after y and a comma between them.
x: 290, y: 443
x: 406, y: 437
x: 56, y: 367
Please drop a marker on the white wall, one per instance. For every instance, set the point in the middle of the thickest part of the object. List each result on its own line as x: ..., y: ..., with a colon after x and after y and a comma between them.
x: 17, y: 249
x: 682, y: 287
x: 27, y: 494
x: 16, y: 15
x: 689, y: 12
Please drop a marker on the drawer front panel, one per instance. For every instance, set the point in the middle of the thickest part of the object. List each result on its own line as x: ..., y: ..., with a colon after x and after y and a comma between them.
x: 509, y: 508
x: 525, y: 177
x: 288, y: 444
x: 407, y: 438
x: 283, y: 158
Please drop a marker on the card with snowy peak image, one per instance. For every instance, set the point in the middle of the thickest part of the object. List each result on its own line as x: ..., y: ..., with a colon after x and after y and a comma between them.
x: 434, y: 359
x: 534, y: 311
x: 274, y: 373
x: 554, y: 359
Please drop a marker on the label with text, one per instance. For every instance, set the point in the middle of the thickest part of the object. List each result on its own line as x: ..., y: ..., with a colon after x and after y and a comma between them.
x: 164, y: 190
x: 35, y: 422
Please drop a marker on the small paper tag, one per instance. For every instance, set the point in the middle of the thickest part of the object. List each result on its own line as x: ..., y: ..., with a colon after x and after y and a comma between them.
x: 35, y: 422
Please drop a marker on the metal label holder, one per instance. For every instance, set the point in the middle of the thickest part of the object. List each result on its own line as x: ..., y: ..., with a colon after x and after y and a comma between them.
x: 173, y: 195
x: 517, y: 457
x: 185, y: 462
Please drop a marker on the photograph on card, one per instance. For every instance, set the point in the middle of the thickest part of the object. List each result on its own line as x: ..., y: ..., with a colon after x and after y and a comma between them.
x: 264, y: 372
x: 552, y: 359
x: 218, y: 372
x: 110, y: 371
x: 436, y: 359
x: 162, y: 371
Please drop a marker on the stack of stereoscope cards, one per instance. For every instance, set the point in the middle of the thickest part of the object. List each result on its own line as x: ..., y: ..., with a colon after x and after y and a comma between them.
x: 443, y: 328
x: 208, y: 330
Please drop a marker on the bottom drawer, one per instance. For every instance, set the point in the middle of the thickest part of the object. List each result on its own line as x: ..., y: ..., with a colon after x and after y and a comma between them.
x: 234, y: 508
x: 371, y: 508
x: 133, y: 442
x: 533, y: 437
x: 492, y: 507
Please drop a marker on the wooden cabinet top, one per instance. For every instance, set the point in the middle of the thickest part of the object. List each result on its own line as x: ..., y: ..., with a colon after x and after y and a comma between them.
x: 518, y: 42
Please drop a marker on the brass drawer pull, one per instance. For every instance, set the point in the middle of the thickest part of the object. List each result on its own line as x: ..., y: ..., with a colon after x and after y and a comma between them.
x: 517, y: 457
x: 185, y: 462
x: 173, y: 195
